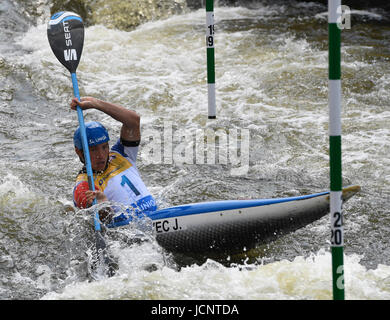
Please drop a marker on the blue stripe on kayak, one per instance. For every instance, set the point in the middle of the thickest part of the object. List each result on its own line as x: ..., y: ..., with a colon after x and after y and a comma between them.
x: 223, y: 205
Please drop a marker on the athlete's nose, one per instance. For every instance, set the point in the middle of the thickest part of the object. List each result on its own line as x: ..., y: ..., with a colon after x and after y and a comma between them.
x: 100, y: 153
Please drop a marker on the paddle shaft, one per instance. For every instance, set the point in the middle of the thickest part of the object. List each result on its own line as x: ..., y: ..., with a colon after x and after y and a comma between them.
x: 84, y: 141
x: 105, y: 264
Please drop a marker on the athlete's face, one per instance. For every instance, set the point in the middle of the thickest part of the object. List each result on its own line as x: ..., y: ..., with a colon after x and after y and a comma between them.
x: 99, y: 156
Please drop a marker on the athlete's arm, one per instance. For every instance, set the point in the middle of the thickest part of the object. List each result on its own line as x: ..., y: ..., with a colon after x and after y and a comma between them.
x: 130, y: 120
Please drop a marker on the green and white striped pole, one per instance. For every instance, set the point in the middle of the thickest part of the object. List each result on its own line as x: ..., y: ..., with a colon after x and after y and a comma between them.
x: 337, y: 233
x: 210, y: 58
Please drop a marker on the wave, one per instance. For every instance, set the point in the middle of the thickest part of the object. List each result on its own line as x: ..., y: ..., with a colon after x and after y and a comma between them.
x: 303, y: 278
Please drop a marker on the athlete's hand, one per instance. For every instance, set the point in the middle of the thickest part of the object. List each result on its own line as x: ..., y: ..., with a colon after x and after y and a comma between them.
x: 85, y: 103
x: 105, y: 214
x: 91, y: 195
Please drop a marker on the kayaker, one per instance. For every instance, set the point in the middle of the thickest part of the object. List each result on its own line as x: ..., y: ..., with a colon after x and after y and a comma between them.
x: 116, y: 176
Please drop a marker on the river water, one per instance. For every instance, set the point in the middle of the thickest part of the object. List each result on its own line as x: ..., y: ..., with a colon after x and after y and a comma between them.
x: 271, y: 89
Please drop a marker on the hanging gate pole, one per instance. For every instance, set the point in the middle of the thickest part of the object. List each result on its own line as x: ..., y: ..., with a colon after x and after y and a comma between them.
x: 210, y: 58
x: 337, y: 233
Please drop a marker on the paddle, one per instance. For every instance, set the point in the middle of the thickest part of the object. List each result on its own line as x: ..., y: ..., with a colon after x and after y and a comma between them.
x: 65, y: 33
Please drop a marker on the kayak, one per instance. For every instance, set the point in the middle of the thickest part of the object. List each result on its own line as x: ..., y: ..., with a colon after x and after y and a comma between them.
x: 234, y: 226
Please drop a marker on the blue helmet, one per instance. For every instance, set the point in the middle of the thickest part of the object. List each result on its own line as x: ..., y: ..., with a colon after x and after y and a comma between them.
x: 96, y: 134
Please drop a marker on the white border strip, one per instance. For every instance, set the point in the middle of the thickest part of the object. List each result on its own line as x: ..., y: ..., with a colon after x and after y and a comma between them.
x: 334, y: 107
x: 333, y: 13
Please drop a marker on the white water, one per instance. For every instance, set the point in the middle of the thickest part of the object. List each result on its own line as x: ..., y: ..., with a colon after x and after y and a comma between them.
x: 271, y: 82
x: 301, y: 278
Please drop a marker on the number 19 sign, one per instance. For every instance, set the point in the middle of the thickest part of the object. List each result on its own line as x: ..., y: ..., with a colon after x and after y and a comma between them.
x: 210, y: 58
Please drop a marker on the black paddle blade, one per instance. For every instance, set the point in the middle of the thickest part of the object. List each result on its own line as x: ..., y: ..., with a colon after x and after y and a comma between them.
x: 102, y: 262
x: 65, y: 32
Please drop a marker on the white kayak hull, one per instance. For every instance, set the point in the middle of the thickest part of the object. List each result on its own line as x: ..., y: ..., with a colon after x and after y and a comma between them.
x: 233, y: 226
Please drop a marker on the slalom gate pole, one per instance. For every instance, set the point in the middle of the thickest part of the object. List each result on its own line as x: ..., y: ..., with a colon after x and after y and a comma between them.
x: 335, y: 161
x: 210, y: 58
